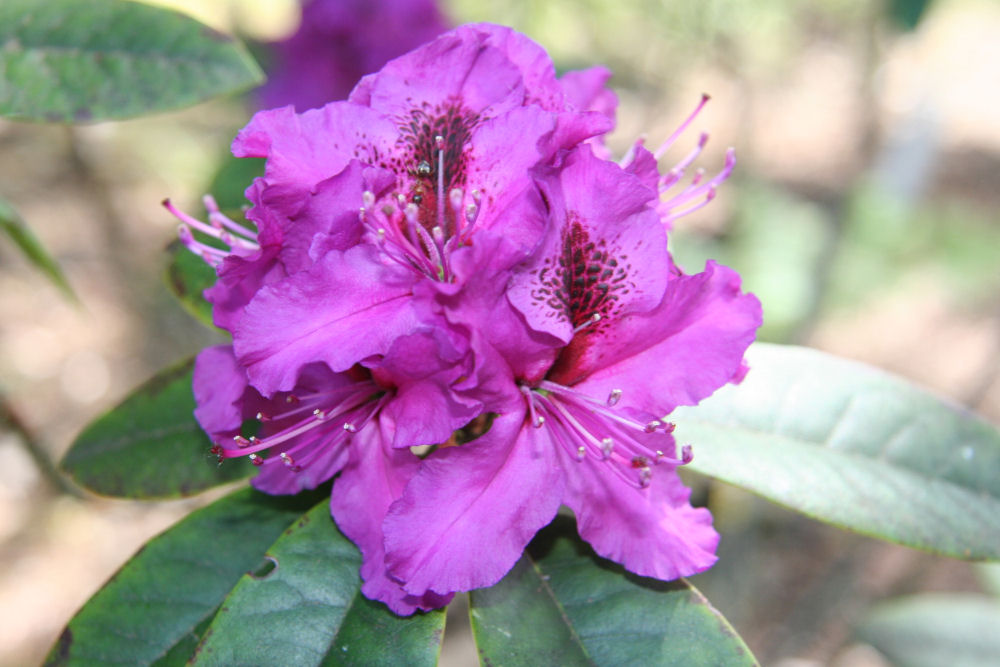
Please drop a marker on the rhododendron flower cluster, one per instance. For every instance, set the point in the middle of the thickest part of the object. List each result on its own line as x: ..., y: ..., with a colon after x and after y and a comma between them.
x: 448, y: 297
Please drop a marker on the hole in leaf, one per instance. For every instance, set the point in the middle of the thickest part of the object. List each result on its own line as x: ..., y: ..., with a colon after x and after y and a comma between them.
x: 265, y: 569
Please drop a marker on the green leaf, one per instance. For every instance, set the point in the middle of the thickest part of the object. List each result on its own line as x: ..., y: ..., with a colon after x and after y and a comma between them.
x: 562, y: 604
x: 936, y: 629
x: 309, y: 610
x: 150, y: 446
x: 907, y: 13
x: 853, y: 446
x: 157, y: 603
x: 188, y: 276
x: 72, y: 61
x: 22, y: 236
x: 232, y: 179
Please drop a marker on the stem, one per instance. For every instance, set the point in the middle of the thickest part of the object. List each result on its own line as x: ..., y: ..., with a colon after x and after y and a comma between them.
x: 35, y: 450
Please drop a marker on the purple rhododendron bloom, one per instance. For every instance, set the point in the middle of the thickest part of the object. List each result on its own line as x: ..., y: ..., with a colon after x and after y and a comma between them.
x: 449, y: 260
x: 339, y: 41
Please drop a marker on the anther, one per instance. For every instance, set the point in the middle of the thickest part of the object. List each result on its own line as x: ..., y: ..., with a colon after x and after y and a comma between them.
x: 652, y: 426
x: 291, y: 398
x: 350, y: 428
x: 607, y: 446
x: 424, y: 168
x: 241, y: 441
x: 645, y: 475
x: 687, y: 454
x: 455, y: 197
x: 411, y: 212
x: 286, y: 459
x: 593, y: 319
x: 640, y: 462
x: 539, y: 421
x: 368, y: 197
x: 668, y: 427
x: 614, y: 397
x: 581, y: 452
x: 439, y: 142
x: 256, y: 460
x: 261, y: 417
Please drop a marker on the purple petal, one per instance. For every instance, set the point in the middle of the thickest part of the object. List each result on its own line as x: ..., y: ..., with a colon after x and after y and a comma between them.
x: 423, y: 368
x: 219, y: 384
x: 304, y: 149
x: 466, y: 516
x: 347, y: 307
x: 586, y: 90
x: 499, y: 157
x: 652, y: 531
x: 600, y: 256
x: 691, y: 345
x: 374, y: 478
x: 455, y: 66
x: 329, y: 219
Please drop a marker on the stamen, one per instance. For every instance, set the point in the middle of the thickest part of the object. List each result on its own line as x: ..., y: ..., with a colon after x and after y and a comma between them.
x: 659, y: 152
x: 455, y: 198
x: 614, y: 397
x: 256, y: 460
x: 607, y: 446
x: 439, y: 142
x: 581, y: 452
x: 537, y: 420
x: 593, y: 319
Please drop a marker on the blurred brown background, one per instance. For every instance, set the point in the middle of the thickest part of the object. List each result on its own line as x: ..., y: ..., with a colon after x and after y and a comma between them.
x: 862, y: 212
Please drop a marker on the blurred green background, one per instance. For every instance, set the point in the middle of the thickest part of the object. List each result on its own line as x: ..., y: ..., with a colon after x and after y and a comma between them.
x: 862, y: 213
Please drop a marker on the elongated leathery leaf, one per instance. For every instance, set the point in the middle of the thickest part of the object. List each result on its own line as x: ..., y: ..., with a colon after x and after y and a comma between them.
x: 936, y: 629
x: 309, y: 610
x: 26, y: 241
x: 150, y: 446
x: 188, y: 276
x: 855, y: 447
x: 160, y: 596
x: 71, y: 61
x: 562, y: 604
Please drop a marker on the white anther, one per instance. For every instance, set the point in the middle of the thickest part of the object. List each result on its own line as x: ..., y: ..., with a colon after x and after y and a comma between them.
x: 607, y: 446
x: 614, y: 397
x: 368, y: 197
x: 581, y: 452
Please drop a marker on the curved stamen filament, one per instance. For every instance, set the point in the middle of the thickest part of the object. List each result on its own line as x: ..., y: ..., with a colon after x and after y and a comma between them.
x: 659, y: 152
x: 586, y: 428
